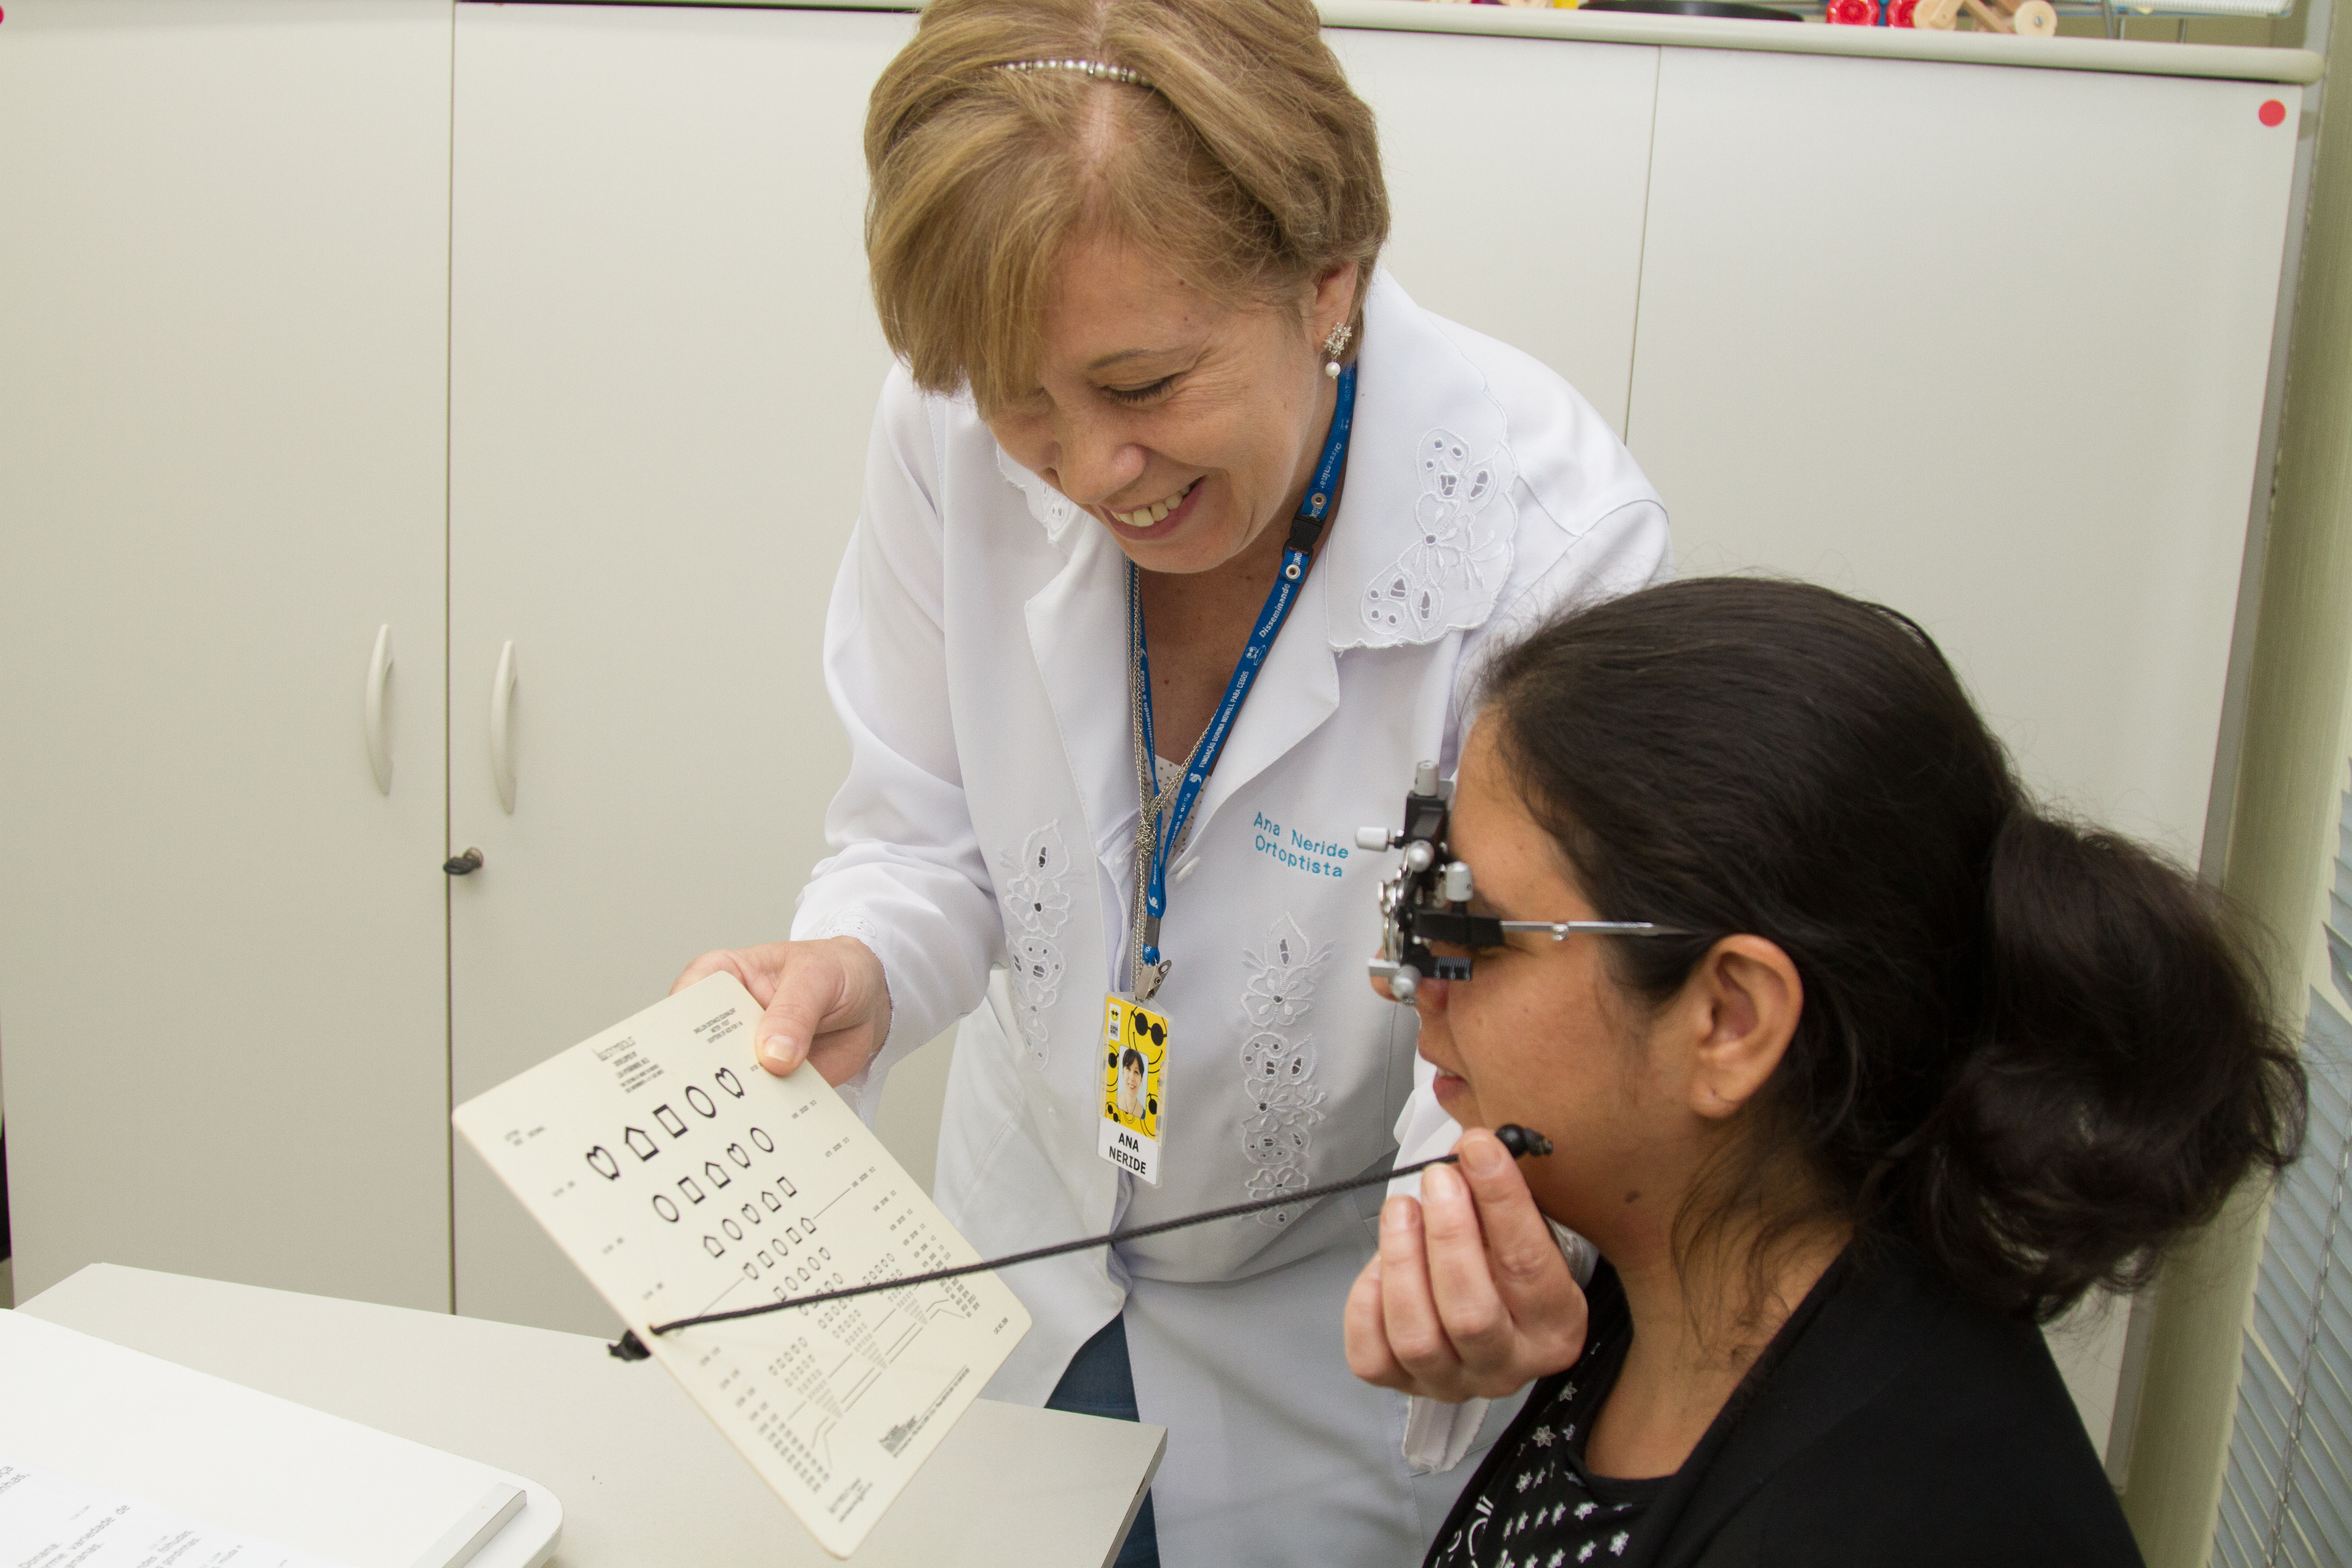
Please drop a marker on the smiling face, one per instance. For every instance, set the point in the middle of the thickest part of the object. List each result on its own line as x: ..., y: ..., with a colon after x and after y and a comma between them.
x: 1187, y: 430
x: 1541, y: 1035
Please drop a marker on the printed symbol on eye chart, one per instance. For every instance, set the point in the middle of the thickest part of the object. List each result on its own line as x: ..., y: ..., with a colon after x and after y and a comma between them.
x: 760, y: 1141
x: 664, y: 1207
x: 789, y: 1190
x: 640, y: 1141
x: 718, y: 1174
x: 671, y: 1122
x: 710, y: 1245
x: 701, y: 1102
x: 693, y: 1194
x: 734, y: 1232
x: 735, y: 1153
x: 752, y: 1215
x: 601, y: 1161
x: 729, y: 1082
x: 768, y: 1198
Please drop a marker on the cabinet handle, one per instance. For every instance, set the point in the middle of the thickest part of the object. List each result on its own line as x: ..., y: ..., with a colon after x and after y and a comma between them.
x: 503, y: 687
x: 463, y: 865
x: 379, y: 743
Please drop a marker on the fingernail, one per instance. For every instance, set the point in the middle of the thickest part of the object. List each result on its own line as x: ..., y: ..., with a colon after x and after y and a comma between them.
x: 1484, y: 1156
x: 1440, y: 1184
x: 1396, y: 1215
x: 777, y: 1052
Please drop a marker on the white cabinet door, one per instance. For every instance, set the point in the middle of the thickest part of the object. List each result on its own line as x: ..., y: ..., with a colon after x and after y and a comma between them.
x: 223, y: 322
x: 664, y: 369
x: 1987, y: 344
x: 1518, y: 169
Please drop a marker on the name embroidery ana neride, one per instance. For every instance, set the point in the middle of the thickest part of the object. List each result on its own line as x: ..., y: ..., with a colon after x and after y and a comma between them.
x: 1447, y: 579
x: 1299, y: 851
x: 1278, y: 1065
x: 1036, y: 893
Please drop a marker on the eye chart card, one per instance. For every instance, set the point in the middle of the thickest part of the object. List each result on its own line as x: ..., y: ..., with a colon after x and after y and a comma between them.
x: 682, y: 1179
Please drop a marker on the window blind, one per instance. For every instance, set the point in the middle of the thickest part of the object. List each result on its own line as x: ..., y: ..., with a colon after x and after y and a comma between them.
x: 2286, y: 1495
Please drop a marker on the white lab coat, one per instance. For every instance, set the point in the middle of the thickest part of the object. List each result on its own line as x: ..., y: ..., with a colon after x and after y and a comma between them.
x: 975, y: 649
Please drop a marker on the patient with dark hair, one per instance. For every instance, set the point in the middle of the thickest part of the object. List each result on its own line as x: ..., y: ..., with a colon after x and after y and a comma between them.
x: 1910, y: 1068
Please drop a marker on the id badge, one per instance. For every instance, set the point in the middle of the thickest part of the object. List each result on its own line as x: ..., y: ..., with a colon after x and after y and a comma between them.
x: 1134, y: 1060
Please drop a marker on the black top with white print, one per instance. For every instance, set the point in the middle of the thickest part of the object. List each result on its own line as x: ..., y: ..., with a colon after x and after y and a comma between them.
x: 1867, y: 1434
x: 1534, y: 1503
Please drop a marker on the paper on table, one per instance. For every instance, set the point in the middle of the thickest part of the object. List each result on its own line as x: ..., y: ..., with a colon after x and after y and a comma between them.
x: 49, y: 1520
x: 682, y: 1179
x: 251, y: 1466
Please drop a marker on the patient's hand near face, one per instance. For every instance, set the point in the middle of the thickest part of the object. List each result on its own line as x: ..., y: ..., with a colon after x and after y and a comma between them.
x: 1468, y: 1296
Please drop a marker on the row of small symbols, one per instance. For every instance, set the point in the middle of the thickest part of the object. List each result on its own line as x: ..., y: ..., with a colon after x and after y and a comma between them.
x: 774, y: 1424
x: 718, y: 1177
x: 809, y: 1270
x: 781, y: 1243
x: 770, y: 1424
x: 641, y: 1143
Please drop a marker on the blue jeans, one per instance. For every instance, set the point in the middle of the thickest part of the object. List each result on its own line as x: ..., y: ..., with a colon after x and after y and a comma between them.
x: 1100, y: 1381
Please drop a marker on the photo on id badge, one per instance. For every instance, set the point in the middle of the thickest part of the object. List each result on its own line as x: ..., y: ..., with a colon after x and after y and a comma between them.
x: 1135, y: 1057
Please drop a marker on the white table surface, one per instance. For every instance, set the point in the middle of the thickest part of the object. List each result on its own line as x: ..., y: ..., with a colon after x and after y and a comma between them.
x: 644, y: 1478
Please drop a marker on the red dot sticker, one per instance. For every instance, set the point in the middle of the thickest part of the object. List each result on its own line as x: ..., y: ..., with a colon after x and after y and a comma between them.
x: 2272, y: 113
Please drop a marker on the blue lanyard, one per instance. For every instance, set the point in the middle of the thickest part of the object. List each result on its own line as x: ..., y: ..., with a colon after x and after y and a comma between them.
x: 1167, y: 826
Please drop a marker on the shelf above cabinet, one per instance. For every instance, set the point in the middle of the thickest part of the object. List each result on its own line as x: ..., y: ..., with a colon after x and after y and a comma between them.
x: 2128, y: 57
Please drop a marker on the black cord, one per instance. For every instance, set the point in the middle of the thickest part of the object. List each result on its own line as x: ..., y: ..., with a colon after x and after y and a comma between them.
x: 1516, y: 1140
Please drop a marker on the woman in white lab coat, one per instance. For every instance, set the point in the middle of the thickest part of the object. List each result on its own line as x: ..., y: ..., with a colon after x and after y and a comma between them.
x: 1127, y: 252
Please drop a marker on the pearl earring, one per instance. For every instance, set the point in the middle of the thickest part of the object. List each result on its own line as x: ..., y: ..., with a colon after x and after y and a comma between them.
x: 1334, y: 346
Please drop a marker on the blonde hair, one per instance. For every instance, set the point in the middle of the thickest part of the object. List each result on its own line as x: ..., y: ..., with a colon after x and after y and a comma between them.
x: 1247, y: 164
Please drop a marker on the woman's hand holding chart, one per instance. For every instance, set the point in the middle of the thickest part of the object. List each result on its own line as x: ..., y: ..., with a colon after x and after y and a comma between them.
x: 682, y: 1180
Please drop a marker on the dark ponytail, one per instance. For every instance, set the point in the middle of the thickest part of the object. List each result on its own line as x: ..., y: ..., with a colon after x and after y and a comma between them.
x: 2038, y: 1052
x: 2124, y: 1082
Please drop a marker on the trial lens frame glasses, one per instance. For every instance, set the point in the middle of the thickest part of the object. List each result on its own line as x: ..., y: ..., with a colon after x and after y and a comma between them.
x: 1427, y: 898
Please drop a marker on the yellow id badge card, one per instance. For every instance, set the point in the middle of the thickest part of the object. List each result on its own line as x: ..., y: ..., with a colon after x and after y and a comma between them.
x: 1134, y: 1060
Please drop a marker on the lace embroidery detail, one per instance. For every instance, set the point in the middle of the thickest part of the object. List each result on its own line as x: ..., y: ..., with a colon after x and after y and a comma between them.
x: 1036, y: 893
x: 1047, y: 504
x: 1447, y: 579
x: 847, y: 923
x: 1278, y: 1065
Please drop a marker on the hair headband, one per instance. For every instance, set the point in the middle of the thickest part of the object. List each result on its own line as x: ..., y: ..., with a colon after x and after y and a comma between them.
x: 1084, y: 67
